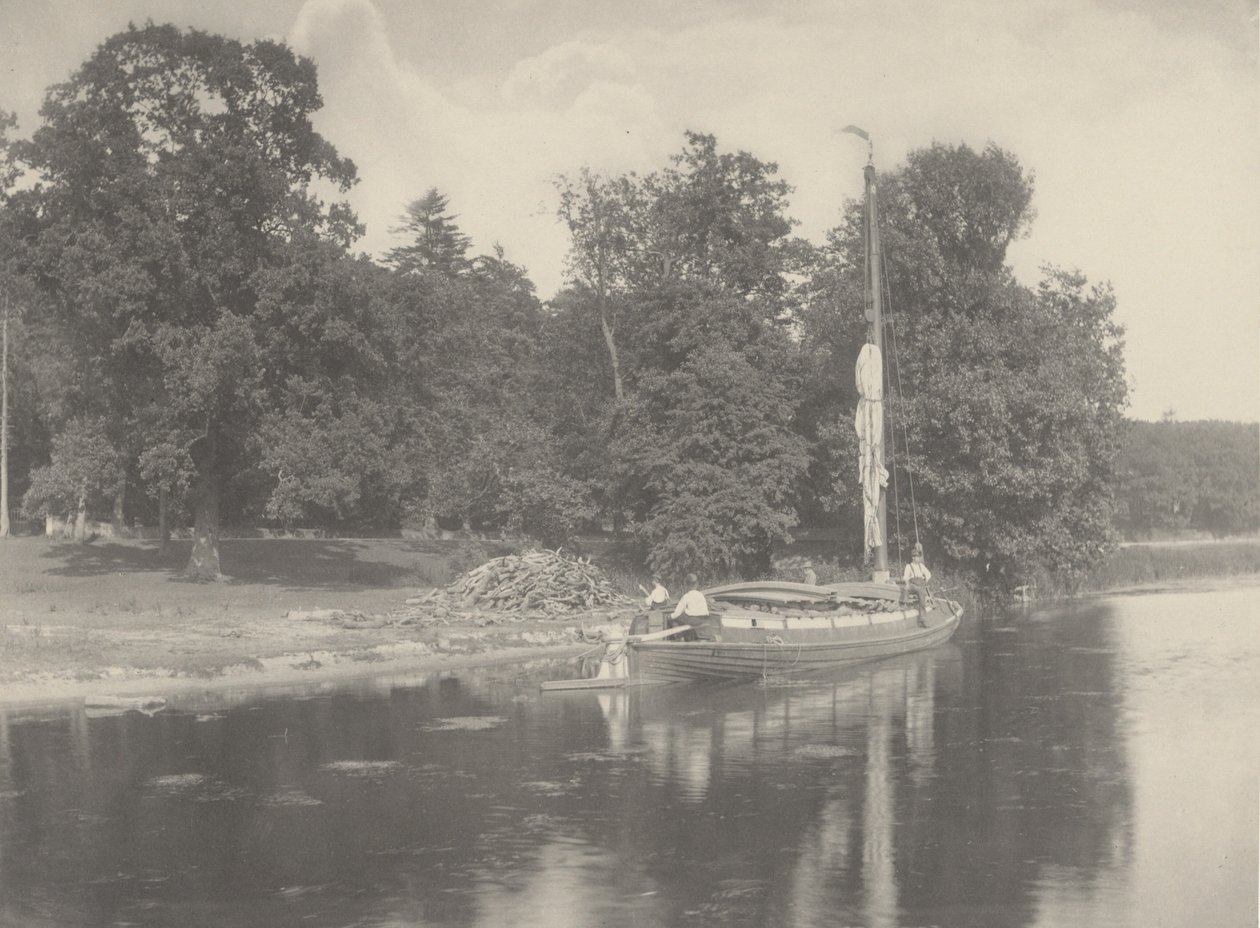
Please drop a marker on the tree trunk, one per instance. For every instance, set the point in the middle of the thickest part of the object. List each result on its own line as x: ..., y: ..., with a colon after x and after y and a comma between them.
x: 203, y: 563
x: 80, y: 520
x: 606, y: 324
x: 164, y: 522
x: 610, y: 341
x: 4, y: 428
x: 120, y: 497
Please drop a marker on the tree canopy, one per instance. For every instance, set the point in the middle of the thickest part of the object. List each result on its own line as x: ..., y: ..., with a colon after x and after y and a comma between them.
x: 1178, y: 477
x: 174, y: 176
x: 208, y: 341
x: 1009, y: 400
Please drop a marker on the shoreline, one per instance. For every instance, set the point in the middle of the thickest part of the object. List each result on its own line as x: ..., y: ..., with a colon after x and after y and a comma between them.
x: 116, y: 620
x: 341, y: 668
x: 371, y: 665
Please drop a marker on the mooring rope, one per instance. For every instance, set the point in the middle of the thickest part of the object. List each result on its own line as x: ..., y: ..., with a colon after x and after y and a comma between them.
x: 777, y: 641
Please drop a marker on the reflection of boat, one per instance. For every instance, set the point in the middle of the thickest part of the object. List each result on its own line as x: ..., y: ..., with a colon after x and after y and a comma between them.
x: 765, y: 627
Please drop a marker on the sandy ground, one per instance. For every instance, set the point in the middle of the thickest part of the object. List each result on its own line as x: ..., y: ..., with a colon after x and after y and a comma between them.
x: 117, y: 619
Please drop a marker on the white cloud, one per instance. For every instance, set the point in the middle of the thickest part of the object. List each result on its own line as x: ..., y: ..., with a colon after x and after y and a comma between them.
x: 1143, y: 140
x: 496, y: 160
x: 563, y: 72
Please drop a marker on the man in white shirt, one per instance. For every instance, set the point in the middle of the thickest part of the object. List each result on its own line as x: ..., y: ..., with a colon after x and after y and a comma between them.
x: 659, y: 595
x: 692, y: 609
x: 916, y: 577
x: 693, y: 604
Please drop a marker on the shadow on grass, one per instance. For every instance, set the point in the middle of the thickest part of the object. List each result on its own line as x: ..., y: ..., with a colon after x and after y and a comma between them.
x: 302, y: 562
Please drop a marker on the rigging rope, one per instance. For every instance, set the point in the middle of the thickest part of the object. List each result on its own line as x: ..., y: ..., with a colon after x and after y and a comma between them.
x: 905, y: 432
x: 888, y: 391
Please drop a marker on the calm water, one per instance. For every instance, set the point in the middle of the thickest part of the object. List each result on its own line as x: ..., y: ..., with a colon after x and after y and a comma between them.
x: 1095, y: 765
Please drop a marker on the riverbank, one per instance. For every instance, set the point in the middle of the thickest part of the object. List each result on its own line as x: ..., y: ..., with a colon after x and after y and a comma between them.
x: 116, y: 618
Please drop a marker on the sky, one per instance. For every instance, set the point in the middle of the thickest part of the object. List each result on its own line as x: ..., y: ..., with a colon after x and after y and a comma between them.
x: 1140, y: 120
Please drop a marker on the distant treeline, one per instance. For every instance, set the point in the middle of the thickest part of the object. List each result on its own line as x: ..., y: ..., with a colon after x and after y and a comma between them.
x: 1180, y: 477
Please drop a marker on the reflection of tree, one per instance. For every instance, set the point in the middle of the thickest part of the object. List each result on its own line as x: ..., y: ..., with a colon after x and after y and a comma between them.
x: 934, y: 788
x: 1033, y: 772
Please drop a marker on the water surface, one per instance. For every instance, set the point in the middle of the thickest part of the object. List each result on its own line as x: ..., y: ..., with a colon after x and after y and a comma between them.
x: 1089, y: 765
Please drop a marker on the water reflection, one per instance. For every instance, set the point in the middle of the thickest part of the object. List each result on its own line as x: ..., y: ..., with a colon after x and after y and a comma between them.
x: 1013, y: 778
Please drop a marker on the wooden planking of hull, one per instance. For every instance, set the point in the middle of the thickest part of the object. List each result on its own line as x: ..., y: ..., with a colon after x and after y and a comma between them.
x: 786, y: 651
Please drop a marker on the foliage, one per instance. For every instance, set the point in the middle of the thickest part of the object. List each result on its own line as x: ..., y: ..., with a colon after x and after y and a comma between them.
x: 1011, y: 398
x: 684, y: 274
x: 1189, y: 476
x: 435, y: 241
x: 708, y: 448
x: 171, y: 169
x: 1138, y: 564
x: 84, y: 466
x: 204, y: 331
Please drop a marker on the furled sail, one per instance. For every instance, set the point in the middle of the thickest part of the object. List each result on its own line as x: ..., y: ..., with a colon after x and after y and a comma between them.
x: 869, y: 423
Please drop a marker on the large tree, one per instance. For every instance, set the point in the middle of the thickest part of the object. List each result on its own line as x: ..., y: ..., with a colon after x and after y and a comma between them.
x: 171, y: 170
x: 707, y: 456
x: 1008, y: 411
x: 684, y: 275
x: 605, y: 217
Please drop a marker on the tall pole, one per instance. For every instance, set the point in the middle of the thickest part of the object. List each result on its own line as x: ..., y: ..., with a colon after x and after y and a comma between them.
x: 875, y: 316
x: 4, y: 424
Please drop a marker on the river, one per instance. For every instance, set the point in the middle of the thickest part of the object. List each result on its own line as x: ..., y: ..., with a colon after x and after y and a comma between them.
x: 1090, y: 764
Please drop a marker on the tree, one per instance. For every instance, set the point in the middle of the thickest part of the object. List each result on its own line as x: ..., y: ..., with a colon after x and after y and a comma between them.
x: 602, y: 214
x: 16, y: 292
x: 709, y: 444
x: 465, y: 360
x: 1013, y: 397
x: 436, y: 243
x: 84, y: 465
x: 684, y: 274
x: 7, y: 120
x: 328, y: 434
x: 1179, y: 476
x: 171, y: 169
x: 721, y: 217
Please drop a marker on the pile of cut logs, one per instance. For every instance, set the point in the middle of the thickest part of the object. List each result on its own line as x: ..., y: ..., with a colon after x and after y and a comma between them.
x: 546, y: 582
x: 534, y: 585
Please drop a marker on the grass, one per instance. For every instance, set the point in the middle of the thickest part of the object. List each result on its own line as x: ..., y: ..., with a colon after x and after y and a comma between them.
x: 68, y: 609
x: 1139, y: 565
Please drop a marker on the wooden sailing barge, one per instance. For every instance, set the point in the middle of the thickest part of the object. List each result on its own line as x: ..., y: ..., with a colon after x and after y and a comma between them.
x: 767, y: 628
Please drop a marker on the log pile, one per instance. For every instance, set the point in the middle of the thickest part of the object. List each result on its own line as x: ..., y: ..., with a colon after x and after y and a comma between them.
x: 546, y: 583
x: 534, y: 585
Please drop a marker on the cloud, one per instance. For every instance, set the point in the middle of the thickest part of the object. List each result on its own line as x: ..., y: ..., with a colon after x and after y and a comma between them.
x: 1141, y: 136
x: 559, y: 75
x: 494, y: 157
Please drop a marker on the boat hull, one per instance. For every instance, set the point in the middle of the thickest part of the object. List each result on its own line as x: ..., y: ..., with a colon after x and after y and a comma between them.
x: 788, y: 649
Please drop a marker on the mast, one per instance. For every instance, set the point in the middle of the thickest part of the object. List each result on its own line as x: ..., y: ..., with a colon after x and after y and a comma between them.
x: 869, y: 419
x: 875, y: 335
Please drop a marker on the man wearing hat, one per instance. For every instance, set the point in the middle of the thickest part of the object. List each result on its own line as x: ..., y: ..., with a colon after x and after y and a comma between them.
x: 693, y: 610
x: 916, y: 577
x: 658, y: 596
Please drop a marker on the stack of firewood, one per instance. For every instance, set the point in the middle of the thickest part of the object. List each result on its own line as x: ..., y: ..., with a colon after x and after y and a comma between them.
x: 533, y: 585
x: 546, y: 582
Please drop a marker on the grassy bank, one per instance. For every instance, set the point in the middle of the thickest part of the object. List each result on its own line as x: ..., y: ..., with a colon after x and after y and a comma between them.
x: 118, y: 614
x: 1164, y: 562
